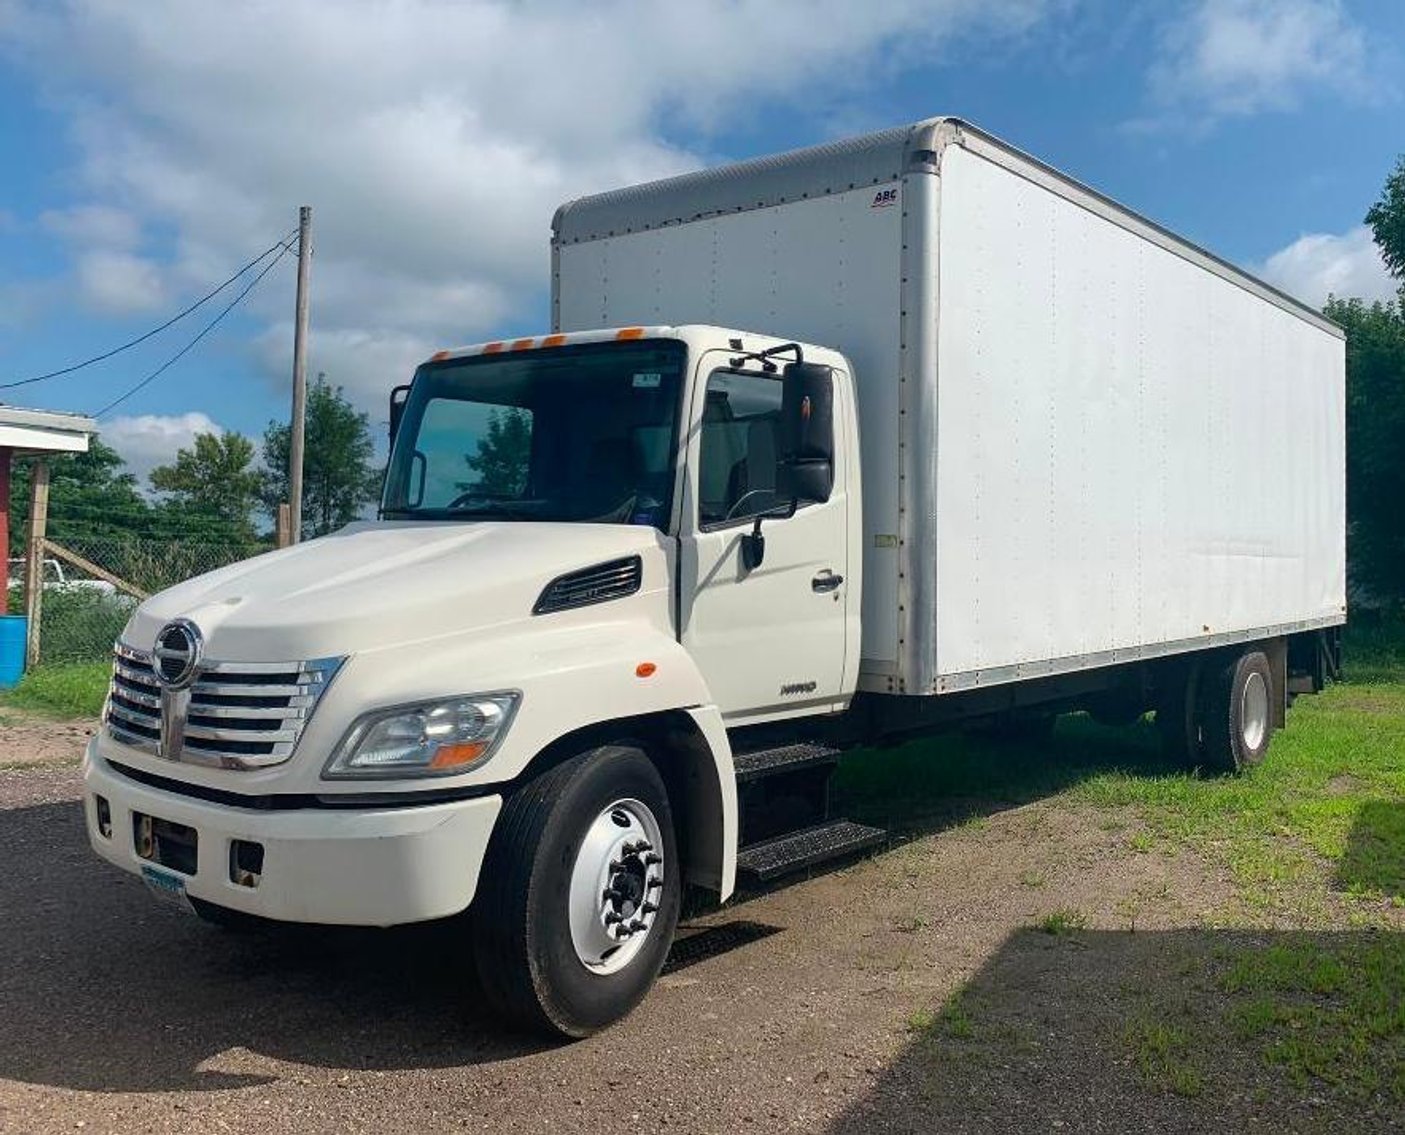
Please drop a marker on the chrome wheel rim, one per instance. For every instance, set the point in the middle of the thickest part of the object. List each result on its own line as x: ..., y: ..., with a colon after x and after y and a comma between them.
x: 1253, y: 711
x: 616, y: 885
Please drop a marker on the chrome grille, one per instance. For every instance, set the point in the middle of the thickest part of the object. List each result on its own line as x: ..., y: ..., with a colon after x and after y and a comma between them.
x: 233, y: 715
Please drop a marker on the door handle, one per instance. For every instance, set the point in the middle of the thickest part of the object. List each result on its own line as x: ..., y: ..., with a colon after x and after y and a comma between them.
x: 826, y: 581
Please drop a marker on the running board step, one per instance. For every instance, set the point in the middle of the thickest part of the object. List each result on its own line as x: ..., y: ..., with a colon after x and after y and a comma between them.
x: 786, y: 758
x: 776, y: 857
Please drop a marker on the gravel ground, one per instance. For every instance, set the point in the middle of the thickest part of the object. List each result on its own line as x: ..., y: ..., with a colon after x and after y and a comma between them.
x: 28, y: 740
x: 786, y: 1011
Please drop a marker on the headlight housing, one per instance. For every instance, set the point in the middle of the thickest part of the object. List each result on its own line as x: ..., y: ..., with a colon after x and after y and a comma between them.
x: 443, y: 737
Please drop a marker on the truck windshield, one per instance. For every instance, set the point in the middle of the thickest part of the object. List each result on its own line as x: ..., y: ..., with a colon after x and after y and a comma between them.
x: 582, y: 434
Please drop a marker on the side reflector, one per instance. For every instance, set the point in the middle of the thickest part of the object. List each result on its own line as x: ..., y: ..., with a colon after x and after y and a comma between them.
x: 553, y: 340
x: 630, y: 333
x: 492, y: 348
x: 522, y: 344
x: 434, y: 358
x: 645, y: 670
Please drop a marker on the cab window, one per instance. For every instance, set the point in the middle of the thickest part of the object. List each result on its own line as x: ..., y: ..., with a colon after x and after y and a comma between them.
x: 739, y: 447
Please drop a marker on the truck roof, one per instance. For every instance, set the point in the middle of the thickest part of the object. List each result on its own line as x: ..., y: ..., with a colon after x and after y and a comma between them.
x: 868, y: 159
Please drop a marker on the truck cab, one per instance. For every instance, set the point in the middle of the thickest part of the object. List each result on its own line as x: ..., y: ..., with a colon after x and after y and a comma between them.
x: 596, y: 554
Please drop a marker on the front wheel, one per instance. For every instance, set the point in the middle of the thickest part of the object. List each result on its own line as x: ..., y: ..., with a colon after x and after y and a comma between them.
x: 578, y: 896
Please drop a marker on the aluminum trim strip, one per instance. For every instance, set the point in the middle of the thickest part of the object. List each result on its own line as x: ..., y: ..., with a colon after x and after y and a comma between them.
x: 1002, y: 675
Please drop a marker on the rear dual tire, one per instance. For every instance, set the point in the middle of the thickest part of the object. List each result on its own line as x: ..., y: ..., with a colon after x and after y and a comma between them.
x: 578, y: 895
x: 1218, y: 714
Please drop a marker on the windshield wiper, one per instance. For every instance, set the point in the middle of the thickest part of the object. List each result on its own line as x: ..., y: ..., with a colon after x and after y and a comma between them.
x: 488, y: 508
x: 484, y: 508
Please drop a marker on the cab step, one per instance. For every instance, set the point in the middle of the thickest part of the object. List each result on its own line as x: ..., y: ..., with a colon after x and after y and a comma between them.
x: 772, y: 858
x: 760, y: 763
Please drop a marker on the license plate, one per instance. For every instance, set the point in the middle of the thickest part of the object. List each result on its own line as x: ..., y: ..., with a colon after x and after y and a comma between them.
x: 169, y: 888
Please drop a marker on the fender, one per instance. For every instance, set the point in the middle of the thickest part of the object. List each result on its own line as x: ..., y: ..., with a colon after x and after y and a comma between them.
x: 572, y: 676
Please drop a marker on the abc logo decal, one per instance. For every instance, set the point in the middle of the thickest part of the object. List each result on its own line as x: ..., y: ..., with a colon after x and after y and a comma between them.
x: 883, y: 198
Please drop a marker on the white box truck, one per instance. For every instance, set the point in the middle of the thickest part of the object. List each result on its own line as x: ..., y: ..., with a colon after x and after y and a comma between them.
x: 823, y: 450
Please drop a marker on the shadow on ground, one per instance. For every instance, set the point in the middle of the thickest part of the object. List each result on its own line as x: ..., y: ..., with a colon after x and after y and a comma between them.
x: 1375, y: 851
x: 934, y: 783
x: 1181, y: 1030
x: 102, y: 989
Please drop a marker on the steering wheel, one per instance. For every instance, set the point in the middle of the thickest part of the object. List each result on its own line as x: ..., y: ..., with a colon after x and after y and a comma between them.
x: 473, y: 494
x: 746, y: 496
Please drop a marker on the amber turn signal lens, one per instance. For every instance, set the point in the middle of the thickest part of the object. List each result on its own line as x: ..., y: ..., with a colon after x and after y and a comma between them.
x: 645, y: 670
x: 451, y: 756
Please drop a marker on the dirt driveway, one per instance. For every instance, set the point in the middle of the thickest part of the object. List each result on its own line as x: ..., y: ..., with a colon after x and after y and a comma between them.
x: 825, y: 1005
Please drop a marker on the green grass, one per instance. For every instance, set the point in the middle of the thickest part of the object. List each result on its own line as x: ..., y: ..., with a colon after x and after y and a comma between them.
x: 1330, y: 796
x: 1165, y: 1056
x: 73, y: 689
x: 1329, y: 1011
x: 952, y: 1021
x: 1063, y: 921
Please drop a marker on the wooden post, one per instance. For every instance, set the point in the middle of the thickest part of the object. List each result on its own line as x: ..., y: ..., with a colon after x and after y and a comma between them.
x: 295, y: 433
x: 5, y: 455
x: 34, y: 568
x: 284, y: 525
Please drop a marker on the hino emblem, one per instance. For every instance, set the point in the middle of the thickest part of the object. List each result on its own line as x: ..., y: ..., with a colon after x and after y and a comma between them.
x: 176, y: 661
x: 178, y: 650
x: 789, y: 689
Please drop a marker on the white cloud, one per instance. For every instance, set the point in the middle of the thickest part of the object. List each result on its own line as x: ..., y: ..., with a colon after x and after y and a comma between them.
x: 102, y: 225
x: 433, y: 139
x: 1229, y: 58
x: 148, y: 440
x: 119, y: 283
x: 1317, y: 265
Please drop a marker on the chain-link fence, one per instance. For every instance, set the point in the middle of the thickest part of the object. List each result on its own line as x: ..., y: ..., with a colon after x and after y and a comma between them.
x: 82, y: 614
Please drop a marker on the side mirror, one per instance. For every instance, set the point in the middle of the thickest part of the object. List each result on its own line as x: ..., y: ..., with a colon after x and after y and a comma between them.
x: 398, y: 397
x: 806, y: 470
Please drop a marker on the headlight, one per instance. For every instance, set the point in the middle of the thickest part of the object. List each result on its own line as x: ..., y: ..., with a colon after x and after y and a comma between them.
x: 433, y: 738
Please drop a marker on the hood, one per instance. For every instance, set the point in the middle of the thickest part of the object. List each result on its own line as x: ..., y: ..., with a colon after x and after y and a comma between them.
x: 378, y: 584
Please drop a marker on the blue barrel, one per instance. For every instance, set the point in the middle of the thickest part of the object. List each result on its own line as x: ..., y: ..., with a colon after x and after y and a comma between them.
x: 13, y: 630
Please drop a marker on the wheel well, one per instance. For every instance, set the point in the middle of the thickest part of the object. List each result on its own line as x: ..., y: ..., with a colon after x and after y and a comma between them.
x: 677, y: 748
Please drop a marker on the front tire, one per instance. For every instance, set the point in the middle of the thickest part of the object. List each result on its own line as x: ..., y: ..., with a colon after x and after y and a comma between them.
x: 579, y: 893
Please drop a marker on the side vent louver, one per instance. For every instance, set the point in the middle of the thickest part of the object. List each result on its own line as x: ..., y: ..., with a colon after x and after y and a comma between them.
x: 598, y: 584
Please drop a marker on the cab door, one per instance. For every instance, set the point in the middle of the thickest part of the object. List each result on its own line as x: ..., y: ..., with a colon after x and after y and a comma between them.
x: 769, y: 639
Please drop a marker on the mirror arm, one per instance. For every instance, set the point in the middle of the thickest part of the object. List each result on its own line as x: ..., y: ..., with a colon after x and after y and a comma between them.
x: 754, y: 544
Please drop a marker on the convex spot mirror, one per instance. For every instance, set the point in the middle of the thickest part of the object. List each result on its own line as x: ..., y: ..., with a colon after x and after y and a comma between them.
x: 806, y: 471
x: 398, y: 397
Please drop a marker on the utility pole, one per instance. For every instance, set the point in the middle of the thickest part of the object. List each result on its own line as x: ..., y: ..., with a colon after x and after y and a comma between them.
x: 295, y: 433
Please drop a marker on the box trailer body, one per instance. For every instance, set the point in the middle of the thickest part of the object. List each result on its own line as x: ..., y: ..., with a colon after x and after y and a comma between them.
x: 1085, y: 440
x: 823, y: 451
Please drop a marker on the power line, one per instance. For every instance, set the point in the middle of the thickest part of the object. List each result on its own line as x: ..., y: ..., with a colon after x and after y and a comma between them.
x: 283, y: 244
x: 159, y: 371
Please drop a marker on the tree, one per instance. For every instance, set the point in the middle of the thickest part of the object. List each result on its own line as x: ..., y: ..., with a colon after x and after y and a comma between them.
x: 503, y: 455
x: 91, y: 496
x: 214, y: 479
x: 1387, y: 220
x: 339, y: 475
x: 1375, y: 427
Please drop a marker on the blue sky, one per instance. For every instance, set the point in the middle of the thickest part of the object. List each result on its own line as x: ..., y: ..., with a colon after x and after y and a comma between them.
x: 150, y: 149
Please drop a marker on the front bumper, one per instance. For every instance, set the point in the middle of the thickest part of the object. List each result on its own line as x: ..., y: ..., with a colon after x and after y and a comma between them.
x: 354, y: 867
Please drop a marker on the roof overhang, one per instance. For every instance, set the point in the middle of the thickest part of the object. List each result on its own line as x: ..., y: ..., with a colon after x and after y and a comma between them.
x: 44, y: 431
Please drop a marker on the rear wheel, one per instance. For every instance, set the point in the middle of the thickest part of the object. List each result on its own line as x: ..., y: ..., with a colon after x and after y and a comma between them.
x: 578, y: 896
x: 1236, y: 701
x: 1178, y: 717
